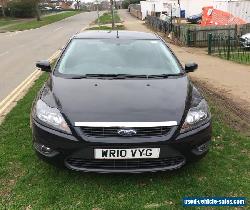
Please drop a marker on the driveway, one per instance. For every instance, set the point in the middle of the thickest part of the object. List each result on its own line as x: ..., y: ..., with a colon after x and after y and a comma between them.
x: 20, y: 50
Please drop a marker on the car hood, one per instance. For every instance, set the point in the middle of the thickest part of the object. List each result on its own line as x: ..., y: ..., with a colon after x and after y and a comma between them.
x: 96, y: 100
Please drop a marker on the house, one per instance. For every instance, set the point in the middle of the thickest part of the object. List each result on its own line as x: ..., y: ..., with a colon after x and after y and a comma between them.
x: 67, y: 4
x: 153, y: 6
x: 64, y: 4
x: 238, y: 8
x: 177, y: 7
x: 185, y: 8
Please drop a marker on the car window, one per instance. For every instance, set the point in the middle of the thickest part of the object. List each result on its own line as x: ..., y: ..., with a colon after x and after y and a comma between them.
x: 108, y: 56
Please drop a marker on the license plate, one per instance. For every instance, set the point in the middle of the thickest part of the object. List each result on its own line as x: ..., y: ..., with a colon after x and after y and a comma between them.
x: 134, y: 153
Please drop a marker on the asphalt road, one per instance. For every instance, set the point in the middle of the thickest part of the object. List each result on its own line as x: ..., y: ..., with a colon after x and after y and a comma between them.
x: 19, y: 51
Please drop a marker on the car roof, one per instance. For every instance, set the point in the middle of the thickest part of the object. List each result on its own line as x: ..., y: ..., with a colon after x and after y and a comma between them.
x: 103, y: 34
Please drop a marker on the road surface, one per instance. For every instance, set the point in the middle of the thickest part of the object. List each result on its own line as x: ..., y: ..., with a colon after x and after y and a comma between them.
x: 19, y: 51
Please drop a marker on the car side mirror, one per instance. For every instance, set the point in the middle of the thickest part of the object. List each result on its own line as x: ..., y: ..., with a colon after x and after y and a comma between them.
x: 191, y: 67
x: 44, y: 66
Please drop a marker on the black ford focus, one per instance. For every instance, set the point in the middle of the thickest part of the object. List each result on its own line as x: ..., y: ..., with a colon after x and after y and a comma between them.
x: 119, y: 102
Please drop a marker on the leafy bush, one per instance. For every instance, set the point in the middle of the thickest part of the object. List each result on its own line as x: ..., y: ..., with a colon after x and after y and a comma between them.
x: 21, y: 9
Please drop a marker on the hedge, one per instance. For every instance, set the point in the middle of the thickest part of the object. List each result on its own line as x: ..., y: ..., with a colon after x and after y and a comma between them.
x: 21, y: 9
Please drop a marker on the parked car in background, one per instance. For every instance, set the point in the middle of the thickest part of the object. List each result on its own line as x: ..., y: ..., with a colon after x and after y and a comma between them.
x: 58, y: 8
x: 245, y: 40
x: 107, y: 107
x: 195, y: 19
x: 48, y: 8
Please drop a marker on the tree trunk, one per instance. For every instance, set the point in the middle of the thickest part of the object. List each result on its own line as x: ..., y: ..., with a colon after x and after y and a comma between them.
x: 37, y: 10
x: 112, y: 13
x: 3, y: 12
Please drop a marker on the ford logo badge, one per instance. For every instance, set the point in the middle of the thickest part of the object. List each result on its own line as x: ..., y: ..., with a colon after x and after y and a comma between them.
x: 126, y: 132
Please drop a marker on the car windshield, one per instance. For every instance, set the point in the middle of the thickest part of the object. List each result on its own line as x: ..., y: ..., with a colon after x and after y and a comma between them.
x: 117, y: 56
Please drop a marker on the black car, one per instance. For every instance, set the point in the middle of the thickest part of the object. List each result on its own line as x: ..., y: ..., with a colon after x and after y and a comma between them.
x: 119, y: 102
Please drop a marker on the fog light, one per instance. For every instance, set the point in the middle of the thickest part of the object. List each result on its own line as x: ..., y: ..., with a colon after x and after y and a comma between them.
x: 44, y: 150
x: 201, y: 148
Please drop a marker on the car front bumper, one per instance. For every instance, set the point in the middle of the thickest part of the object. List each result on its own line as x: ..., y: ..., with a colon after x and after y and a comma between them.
x: 66, y: 150
x: 245, y: 43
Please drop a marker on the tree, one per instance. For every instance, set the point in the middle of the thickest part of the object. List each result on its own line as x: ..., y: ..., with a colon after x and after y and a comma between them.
x: 3, y: 5
x: 36, y: 8
x: 112, y: 13
x: 35, y: 5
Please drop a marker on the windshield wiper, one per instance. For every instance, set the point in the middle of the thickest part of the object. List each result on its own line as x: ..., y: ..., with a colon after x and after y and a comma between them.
x: 77, y: 77
x: 114, y: 76
x: 125, y: 76
x: 156, y: 76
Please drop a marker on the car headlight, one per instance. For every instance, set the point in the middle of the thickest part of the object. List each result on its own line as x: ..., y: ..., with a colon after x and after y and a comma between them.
x: 51, y: 116
x: 198, y: 114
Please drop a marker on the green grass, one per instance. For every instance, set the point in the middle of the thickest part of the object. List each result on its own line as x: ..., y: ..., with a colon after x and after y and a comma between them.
x: 241, y: 57
x: 26, y: 182
x: 107, y: 18
x: 6, y: 21
x: 117, y: 27
x: 45, y: 21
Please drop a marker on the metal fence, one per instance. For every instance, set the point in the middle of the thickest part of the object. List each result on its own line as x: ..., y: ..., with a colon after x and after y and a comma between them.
x: 195, y: 35
x: 179, y: 32
x: 198, y: 36
x: 227, y: 47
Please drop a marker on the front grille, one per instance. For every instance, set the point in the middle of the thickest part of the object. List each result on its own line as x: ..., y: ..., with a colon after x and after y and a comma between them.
x: 113, y: 131
x: 171, y: 162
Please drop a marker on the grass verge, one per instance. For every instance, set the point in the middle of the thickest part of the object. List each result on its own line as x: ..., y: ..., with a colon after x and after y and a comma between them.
x: 28, y: 183
x: 242, y: 58
x: 106, y: 18
x: 9, y: 21
x: 45, y: 21
x: 117, y: 27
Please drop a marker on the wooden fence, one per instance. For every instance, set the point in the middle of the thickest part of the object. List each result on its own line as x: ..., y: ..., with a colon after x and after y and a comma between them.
x: 135, y: 13
x: 195, y: 35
